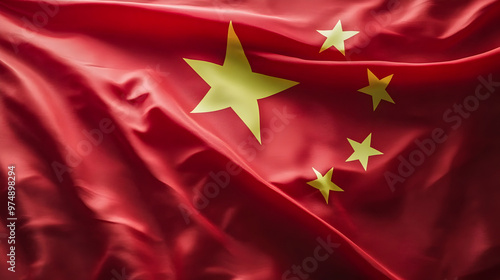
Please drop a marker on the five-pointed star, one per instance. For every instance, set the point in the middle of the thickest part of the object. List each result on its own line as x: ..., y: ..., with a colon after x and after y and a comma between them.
x: 324, y: 184
x: 234, y: 85
x: 336, y: 37
x: 362, y: 151
x: 377, y: 89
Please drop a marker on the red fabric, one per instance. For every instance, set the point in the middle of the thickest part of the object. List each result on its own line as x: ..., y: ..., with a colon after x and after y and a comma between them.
x: 113, y: 171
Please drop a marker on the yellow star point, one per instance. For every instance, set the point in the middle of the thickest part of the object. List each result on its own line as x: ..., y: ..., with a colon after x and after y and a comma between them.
x: 377, y: 89
x: 324, y: 184
x: 234, y: 85
x: 362, y: 151
x: 336, y: 37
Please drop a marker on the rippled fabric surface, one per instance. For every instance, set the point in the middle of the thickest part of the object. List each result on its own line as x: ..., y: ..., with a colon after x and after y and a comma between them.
x: 116, y: 179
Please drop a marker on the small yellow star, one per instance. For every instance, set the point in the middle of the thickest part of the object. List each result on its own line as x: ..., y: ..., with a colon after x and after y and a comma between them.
x: 234, y: 85
x: 377, y: 89
x: 336, y: 37
x: 362, y: 151
x: 324, y: 184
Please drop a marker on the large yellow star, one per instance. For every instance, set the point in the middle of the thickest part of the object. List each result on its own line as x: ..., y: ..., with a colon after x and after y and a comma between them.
x: 324, y: 184
x: 336, y: 37
x: 362, y: 151
x: 234, y: 85
x: 377, y: 89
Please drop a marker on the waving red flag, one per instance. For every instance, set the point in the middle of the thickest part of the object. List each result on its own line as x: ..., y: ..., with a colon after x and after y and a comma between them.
x: 249, y: 139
